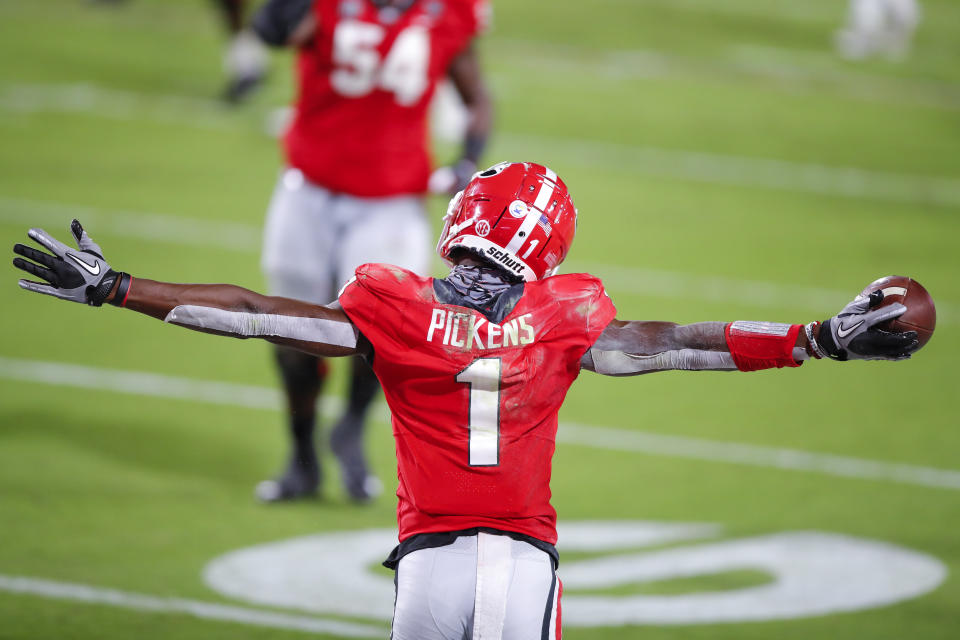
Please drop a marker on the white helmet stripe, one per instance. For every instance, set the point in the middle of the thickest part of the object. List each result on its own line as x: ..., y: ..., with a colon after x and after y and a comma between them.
x: 533, y: 215
x: 546, y: 191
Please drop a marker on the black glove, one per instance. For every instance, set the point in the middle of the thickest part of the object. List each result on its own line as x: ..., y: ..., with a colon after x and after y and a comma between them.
x: 853, y: 333
x: 80, y: 276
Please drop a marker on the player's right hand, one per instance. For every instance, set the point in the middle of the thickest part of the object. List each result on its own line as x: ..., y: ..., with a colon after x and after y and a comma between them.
x: 70, y: 274
x: 855, y: 334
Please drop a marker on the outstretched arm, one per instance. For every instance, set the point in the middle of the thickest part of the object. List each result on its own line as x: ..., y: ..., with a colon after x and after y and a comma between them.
x: 629, y: 348
x: 633, y: 348
x: 228, y: 310
x: 466, y: 75
x: 84, y: 276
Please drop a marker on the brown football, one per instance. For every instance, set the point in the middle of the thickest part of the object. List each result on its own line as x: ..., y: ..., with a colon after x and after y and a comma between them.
x: 921, y: 314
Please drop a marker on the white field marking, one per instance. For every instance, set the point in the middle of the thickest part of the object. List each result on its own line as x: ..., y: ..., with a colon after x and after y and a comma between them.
x: 198, y: 609
x: 814, y: 72
x: 695, y: 166
x: 766, y: 67
x: 743, y: 171
x: 236, y: 236
x: 811, y: 573
x: 788, y: 10
x: 719, y: 289
x: 284, y: 573
x: 152, y: 227
x: 598, y: 437
x: 710, y: 288
x: 142, y: 383
x: 755, y: 455
x: 116, y: 104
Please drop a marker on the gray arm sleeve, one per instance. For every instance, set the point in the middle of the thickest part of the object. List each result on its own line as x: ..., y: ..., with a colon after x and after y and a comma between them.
x: 618, y: 363
x: 244, y: 324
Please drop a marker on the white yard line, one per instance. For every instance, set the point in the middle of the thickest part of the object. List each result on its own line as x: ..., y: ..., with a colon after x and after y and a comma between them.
x: 235, y: 236
x: 198, y: 609
x: 117, y: 104
x: 743, y: 171
x: 757, y: 456
x: 694, y: 166
x: 598, y: 437
x: 784, y: 9
x: 760, y: 66
x: 142, y: 225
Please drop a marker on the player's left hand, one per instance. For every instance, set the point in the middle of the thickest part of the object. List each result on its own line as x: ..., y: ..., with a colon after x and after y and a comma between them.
x: 79, y: 276
x: 449, y: 180
x: 854, y: 333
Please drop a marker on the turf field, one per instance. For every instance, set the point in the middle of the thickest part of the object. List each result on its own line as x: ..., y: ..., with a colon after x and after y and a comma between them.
x: 726, y: 165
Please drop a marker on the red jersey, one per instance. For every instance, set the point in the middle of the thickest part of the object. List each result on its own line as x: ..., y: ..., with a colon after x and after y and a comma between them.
x: 365, y: 84
x: 475, y: 403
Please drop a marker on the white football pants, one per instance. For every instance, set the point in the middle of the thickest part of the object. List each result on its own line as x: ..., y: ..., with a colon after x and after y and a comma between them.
x: 483, y: 587
x: 315, y: 239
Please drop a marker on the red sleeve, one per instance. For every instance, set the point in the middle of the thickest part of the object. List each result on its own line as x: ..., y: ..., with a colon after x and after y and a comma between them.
x: 585, y: 308
x: 375, y: 300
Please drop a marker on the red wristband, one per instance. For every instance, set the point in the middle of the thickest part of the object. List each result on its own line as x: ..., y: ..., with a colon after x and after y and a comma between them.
x: 762, y: 345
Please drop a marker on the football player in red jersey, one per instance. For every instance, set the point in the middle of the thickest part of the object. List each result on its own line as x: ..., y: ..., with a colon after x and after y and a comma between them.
x: 475, y: 367
x: 357, y: 169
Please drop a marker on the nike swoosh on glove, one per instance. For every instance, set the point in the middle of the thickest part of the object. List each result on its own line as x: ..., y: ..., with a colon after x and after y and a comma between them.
x: 67, y: 273
x: 855, y: 333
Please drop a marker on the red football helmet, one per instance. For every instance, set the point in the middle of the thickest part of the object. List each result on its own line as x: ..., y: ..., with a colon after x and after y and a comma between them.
x: 517, y: 215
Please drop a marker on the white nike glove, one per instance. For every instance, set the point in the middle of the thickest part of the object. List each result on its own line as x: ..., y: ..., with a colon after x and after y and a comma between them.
x: 79, y: 276
x: 854, y: 334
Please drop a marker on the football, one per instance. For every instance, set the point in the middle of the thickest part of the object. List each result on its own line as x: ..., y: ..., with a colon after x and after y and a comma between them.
x: 921, y: 314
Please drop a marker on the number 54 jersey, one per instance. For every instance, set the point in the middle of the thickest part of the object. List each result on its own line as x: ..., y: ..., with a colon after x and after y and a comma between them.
x: 474, y: 403
x: 364, y: 86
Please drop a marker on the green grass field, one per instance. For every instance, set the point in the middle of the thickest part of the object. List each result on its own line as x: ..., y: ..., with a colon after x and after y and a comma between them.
x: 725, y: 164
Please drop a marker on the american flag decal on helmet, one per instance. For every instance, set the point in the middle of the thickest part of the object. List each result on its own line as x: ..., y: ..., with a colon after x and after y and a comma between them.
x: 543, y: 222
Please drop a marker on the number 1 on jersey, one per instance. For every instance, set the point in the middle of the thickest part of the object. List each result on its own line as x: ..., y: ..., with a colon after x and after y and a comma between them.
x: 483, y: 376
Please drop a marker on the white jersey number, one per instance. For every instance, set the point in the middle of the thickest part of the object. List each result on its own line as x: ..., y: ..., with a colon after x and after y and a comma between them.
x: 483, y: 376
x: 360, y: 69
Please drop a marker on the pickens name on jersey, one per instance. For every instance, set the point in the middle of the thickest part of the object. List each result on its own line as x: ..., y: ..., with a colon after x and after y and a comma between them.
x: 472, y: 331
x: 475, y: 423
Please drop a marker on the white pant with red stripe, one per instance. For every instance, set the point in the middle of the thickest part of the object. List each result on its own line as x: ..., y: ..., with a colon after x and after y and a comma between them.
x: 482, y: 587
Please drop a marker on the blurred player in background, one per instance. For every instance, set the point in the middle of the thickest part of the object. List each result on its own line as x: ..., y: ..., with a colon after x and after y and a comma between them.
x: 245, y: 61
x: 475, y: 367
x: 358, y: 168
x: 878, y: 27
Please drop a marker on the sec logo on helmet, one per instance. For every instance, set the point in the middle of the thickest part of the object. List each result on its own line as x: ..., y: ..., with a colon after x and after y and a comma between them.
x: 533, y: 240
